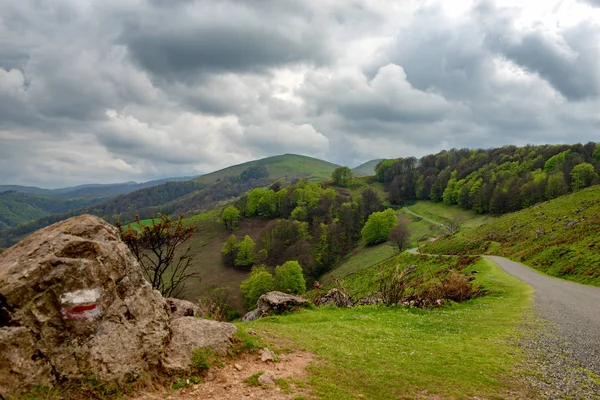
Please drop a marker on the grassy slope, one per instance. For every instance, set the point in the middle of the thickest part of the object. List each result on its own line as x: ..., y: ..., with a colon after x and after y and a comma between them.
x: 570, y: 253
x: 289, y: 166
x: 441, y: 211
x: 420, y: 230
x: 366, y: 169
x: 459, y: 351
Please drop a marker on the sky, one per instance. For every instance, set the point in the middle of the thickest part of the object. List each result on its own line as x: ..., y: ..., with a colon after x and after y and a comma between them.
x: 101, y: 91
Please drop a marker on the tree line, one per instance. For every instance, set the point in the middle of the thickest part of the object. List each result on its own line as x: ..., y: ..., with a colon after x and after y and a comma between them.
x: 498, y: 181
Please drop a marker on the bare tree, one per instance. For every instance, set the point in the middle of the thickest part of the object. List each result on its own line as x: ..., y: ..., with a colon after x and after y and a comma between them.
x: 400, y: 237
x: 157, y: 248
x: 453, y: 225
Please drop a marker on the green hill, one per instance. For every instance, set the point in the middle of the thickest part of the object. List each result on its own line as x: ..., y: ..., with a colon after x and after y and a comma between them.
x: 285, y: 166
x: 366, y: 169
x: 17, y: 208
x: 560, y: 237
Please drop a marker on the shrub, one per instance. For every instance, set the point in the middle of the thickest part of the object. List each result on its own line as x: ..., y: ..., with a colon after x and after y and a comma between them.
x: 204, y: 358
x: 289, y: 278
x: 259, y: 282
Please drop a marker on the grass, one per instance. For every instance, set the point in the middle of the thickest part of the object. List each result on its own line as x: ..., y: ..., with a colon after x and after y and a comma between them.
x: 362, y: 257
x: 441, y: 211
x: 289, y: 166
x: 540, y: 236
x: 458, y: 351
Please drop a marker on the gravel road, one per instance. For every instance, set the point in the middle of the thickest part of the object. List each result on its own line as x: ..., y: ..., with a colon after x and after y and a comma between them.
x: 573, y: 308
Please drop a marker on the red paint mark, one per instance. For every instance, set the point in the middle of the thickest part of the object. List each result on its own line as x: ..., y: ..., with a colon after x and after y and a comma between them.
x: 83, y: 311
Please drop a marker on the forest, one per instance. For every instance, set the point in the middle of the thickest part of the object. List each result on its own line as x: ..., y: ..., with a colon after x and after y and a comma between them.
x: 497, y: 181
x: 313, y: 225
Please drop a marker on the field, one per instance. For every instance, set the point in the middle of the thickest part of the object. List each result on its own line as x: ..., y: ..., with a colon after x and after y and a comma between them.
x: 458, y: 351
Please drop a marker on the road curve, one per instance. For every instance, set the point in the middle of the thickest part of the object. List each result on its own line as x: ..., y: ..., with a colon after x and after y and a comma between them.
x: 574, y: 308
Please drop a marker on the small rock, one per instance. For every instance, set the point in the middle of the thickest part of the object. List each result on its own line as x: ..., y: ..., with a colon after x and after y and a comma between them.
x: 237, y: 366
x: 266, y: 379
x: 251, y: 332
x: 266, y: 355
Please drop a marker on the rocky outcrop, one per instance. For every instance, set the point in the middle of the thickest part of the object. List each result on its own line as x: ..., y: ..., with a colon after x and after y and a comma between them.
x: 190, y: 333
x: 275, y: 303
x: 182, y: 308
x: 74, y: 303
x: 335, y: 297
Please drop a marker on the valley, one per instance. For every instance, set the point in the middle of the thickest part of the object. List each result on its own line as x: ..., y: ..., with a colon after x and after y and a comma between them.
x: 459, y: 327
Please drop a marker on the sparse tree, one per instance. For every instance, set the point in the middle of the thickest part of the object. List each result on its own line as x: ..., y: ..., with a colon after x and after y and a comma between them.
x: 158, y: 249
x: 230, y: 250
x: 400, y: 237
x: 230, y: 217
x: 342, y: 176
x: 453, y: 225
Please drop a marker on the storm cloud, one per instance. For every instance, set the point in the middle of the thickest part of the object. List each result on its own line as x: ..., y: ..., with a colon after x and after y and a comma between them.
x: 108, y: 91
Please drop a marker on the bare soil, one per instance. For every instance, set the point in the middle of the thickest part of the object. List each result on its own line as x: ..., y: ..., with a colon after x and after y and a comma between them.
x: 229, y: 382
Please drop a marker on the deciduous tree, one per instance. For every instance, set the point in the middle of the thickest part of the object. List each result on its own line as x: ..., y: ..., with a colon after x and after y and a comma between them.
x: 378, y: 227
x: 158, y: 247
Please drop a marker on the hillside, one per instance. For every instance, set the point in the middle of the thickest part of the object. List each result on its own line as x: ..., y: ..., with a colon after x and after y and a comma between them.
x: 190, y: 197
x: 285, y: 166
x: 17, y: 208
x: 366, y: 169
x: 560, y: 237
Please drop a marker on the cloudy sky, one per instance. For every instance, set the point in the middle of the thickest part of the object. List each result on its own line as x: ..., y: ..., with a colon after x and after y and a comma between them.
x: 118, y: 90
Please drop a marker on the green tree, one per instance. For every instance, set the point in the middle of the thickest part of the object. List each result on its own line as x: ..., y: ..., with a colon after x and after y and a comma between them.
x: 378, y: 227
x: 342, y: 176
x: 289, y: 278
x: 230, y: 250
x: 259, y: 282
x: 556, y: 186
x: 582, y: 176
x: 158, y: 249
x: 230, y: 217
x: 245, y: 253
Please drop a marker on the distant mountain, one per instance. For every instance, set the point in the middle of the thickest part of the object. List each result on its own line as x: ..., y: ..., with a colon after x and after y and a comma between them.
x: 24, y: 189
x: 93, y: 189
x: 366, y: 169
x: 192, y: 196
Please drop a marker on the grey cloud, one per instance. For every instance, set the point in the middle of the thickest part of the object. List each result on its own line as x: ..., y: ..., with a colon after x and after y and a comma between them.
x: 195, y: 38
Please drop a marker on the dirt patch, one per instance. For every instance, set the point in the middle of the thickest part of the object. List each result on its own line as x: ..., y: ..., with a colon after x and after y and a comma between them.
x: 230, y: 382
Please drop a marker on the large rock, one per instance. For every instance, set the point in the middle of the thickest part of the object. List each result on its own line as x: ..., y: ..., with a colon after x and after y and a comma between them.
x: 275, y: 303
x: 335, y: 297
x: 190, y: 333
x: 74, y: 303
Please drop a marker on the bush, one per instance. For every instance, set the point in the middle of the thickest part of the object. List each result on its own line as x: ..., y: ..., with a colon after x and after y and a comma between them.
x: 259, y: 282
x: 204, y: 358
x: 289, y: 278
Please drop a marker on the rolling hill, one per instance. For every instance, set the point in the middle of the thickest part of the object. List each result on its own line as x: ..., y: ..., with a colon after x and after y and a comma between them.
x: 190, y: 197
x: 366, y: 169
